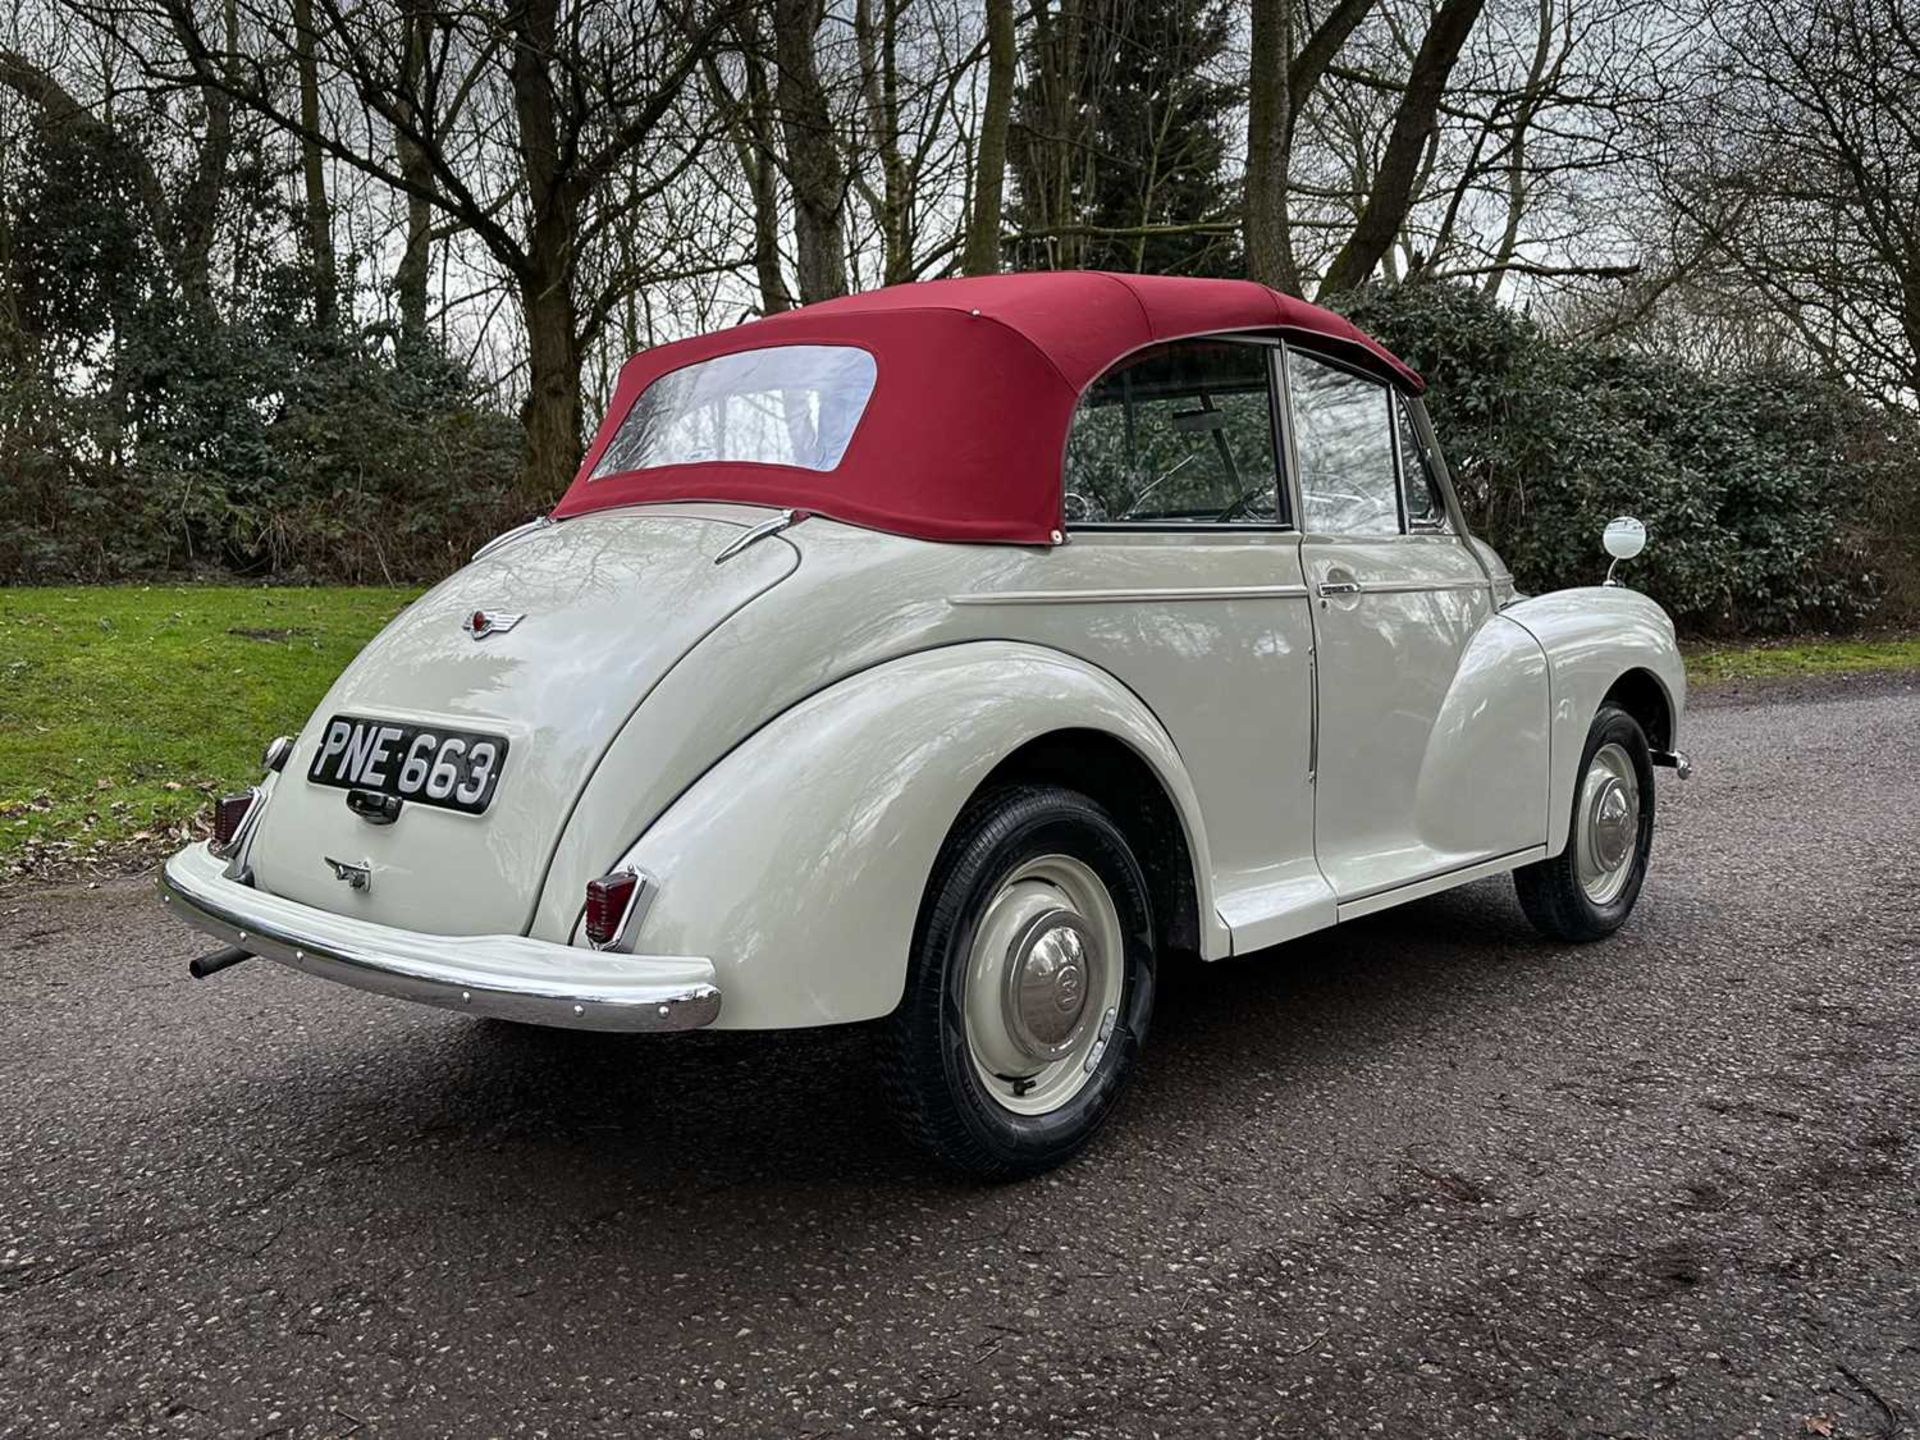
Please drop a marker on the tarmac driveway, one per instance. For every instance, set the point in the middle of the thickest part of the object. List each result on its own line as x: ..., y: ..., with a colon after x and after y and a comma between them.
x: 1425, y: 1176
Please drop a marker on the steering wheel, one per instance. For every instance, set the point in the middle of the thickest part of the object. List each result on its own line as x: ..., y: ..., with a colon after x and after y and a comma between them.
x: 1079, y: 506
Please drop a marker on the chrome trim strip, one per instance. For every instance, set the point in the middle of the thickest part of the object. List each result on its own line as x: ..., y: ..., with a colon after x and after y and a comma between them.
x: 1181, y: 527
x: 511, y: 977
x: 758, y: 532
x: 1121, y: 597
x: 1418, y: 587
x: 539, y: 522
x: 1313, y: 718
x: 1391, y: 895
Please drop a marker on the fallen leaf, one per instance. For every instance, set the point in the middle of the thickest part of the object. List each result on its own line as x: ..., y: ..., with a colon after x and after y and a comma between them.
x: 1819, y: 1424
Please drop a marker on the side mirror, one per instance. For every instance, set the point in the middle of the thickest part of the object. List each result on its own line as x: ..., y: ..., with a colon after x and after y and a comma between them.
x: 1624, y: 538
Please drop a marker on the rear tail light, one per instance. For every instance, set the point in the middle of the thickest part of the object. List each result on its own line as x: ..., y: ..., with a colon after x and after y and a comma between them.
x: 229, y: 814
x: 608, y: 900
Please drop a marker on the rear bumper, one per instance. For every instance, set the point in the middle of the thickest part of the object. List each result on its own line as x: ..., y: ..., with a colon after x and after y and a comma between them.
x: 511, y: 977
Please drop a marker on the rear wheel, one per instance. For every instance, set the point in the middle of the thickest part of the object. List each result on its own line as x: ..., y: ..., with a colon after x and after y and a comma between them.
x: 1587, y: 891
x: 1029, y: 988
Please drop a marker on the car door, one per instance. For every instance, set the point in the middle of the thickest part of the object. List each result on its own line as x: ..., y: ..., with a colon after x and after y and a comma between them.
x: 1430, y: 711
x: 1181, y: 577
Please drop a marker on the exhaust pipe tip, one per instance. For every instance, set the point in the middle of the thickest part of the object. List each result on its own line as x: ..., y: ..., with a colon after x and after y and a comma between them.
x: 219, y: 960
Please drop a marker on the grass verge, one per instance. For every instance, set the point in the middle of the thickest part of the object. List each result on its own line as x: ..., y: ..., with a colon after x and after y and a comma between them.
x: 1799, y: 659
x: 122, y: 709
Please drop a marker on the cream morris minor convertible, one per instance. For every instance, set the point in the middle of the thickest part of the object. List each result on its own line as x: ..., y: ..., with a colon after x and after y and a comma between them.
x: 948, y: 656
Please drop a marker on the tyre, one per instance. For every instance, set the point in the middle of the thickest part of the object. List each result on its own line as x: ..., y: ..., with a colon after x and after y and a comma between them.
x: 1029, y: 987
x: 1587, y: 891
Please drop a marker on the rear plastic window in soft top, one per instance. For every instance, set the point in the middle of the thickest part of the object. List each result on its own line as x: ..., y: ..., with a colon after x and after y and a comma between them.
x: 784, y: 405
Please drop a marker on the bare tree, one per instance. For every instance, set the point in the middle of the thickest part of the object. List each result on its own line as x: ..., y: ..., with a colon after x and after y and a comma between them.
x: 918, y: 144
x: 414, y: 272
x: 573, y: 101
x: 982, y: 255
x: 313, y: 171
x: 746, y: 106
x: 878, y: 41
x: 1393, y: 191
x: 1282, y: 75
x: 1799, y: 174
x: 816, y: 170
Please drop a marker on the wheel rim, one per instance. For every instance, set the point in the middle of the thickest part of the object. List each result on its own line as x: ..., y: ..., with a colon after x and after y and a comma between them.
x: 1043, y: 983
x: 1607, y: 842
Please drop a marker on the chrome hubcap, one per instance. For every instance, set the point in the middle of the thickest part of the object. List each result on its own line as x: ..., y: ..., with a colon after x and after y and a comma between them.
x: 1047, y: 983
x: 1043, y: 984
x: 1609, y: 825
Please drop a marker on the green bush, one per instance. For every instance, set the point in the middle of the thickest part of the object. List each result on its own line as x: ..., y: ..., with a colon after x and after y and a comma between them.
x: 239, y: 456
x: 1765, y: 493
x: 145, y: 432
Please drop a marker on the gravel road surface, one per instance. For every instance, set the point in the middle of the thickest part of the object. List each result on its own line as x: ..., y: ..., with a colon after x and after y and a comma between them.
x: 1425, y: 1176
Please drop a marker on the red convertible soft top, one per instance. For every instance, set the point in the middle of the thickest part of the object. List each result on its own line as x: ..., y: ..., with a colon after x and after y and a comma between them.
x: 974, y: 383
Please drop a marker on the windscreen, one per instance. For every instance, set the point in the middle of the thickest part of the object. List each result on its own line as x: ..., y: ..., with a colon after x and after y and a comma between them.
x: 784, y: 405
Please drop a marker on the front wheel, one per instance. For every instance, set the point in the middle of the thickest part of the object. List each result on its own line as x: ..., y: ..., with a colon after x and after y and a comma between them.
x: 1029, y: 988
x: 1587, y: 891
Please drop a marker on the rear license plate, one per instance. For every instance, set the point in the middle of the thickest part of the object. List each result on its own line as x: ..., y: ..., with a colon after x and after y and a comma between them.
x: 429, y: 764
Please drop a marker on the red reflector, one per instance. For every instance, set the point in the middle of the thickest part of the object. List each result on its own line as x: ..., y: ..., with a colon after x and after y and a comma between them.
x: 228, y: 813
x: 607, y: 901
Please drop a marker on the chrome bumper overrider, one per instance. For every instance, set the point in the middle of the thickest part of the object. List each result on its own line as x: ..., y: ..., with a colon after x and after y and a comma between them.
x: 508, y: 976
x: 1675, y: 760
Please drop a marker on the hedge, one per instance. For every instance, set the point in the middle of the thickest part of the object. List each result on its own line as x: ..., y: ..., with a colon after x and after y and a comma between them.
x: 1775, y: 500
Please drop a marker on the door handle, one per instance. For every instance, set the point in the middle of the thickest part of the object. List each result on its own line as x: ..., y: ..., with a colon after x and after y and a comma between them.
x: 1341, y: 587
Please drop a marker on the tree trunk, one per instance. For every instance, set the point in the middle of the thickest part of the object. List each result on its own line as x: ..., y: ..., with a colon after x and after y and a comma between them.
x: 763, y: 179
x: 415, y: 270
x: 1269, y: 233
x: 1509, y: 243
x: 1392, y: 192
x: 13, y: 334
x: 982, y: 255
x: 816, y: 174
x: 551, y: 414
x: 1073, y: 159
x: 879, y: 49
x: 319, y: 214
x: 196, y: 216
x: 1285, y: 67
x: 750, y: 127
